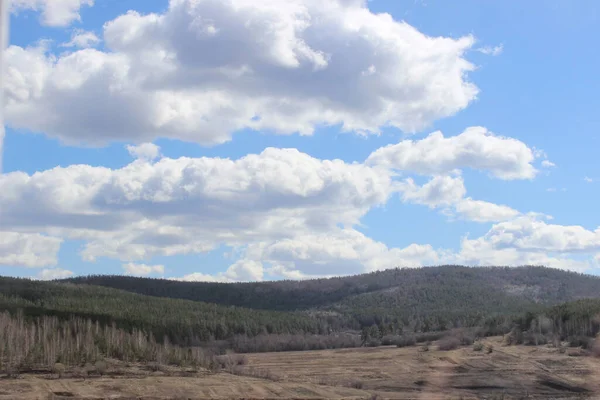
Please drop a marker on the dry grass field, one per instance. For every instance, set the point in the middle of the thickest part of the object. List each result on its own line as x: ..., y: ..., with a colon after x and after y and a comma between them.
x: 514, y: 372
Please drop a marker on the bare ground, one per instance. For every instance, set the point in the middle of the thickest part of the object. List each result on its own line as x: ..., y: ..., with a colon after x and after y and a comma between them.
x: 515, y: 372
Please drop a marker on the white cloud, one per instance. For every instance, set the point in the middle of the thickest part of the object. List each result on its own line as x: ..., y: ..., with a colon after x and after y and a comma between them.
x: 484, y: 211
x: 200, y: 277
x: 82, y: 39
x: 187, y: 205
x: 245, y: 270
x: 476, y: 148
x: 28, y: 250
x: 54, y: 12
x: 339, y: 252
x: 241, y: 270
x: 55, y: 273
x: 143, y: 269
x: 439, y: 191
x: 289, y: 214
x: 347, y: 251
x: 144, y: 151
x: 448, y: 192
x: 527, y: 233
x: 491, y: 51
x: 207, y: 68
x: 482, y: 252
x: 548, y: 164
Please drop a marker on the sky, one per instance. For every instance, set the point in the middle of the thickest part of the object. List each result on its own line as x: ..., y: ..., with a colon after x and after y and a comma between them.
x: 241, y: 140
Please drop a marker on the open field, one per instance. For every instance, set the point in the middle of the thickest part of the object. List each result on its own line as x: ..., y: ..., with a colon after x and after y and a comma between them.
x: 387, y: 372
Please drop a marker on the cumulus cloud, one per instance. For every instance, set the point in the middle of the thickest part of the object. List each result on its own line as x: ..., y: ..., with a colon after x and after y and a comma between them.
x: 484, y: 211
x: 201, y: 277
x: 449, y: 193
x: 189, y: 205
x: 286, y: 213
x: 439, y: 191
x: 530, y: 233
x: 144, y: 151
x: 339, y: 252
x: 530, y: 240
x: 476, y: 148
x: 28, y: 249
x: 480, y: 252
x: 54, y: 12
x: 242, y: 270
x: 82, y: 39
x: 143, y: 269
x: 204, y: 69
x: 54, y: 273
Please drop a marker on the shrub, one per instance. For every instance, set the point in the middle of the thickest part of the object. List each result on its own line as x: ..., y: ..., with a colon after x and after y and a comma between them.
x: 389, y: 340
x: 59, y: 369
x: 405, y: 341
x: 575, y: 353
x: 429, y: 336
x: 356, y: 384
x: 89, y: 369
x: 477, y: 346
x: 101, y: 367
x: 515, y: 336
x: 448, y: 343
x: 241, y: 359
x: 534, y: 339
x: 581, y: 341
x: 489, y: 349
x: 596, y: 347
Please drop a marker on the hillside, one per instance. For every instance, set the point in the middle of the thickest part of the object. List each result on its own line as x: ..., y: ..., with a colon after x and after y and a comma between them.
x: 425, y: 298
x: 399, y: 300
x: 538, y: 284
x: 83, y: 319
x: 183, y: 321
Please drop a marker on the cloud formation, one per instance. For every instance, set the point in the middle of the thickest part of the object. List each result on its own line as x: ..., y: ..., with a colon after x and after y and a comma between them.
x: 28, y: 249
x: 185, y: 205
x: 143, y: 269
x: 144, y: 151
x: 82, y: 39
x: 476, y: 148
x: 207, y: 68
x: 58, y: 13
x: 54, y: 273
x: 286, y: 213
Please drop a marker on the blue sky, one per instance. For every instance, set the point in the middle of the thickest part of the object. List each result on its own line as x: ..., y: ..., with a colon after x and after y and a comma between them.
x: 511, y: 86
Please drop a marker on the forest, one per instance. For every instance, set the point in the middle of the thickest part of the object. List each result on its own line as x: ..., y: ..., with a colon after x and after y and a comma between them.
x: 85, y: 320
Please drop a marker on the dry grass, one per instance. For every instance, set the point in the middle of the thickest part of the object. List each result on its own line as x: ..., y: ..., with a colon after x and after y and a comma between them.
x: 384, y: 373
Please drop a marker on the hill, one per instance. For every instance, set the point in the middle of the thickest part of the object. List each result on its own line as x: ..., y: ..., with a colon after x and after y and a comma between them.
x: 395, y: 301
x: 89, y: 318
x: 182, y: 321
x: 431, y: 298
x: 538, y: 284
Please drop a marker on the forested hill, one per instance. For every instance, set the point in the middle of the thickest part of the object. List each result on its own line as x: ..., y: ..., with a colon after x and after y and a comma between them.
x: 183, y: 321
x: 401, y: 287
x: 399, y: 300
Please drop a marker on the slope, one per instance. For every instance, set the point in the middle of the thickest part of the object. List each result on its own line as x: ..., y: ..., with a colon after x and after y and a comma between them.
x: 183, y: 321
x: 534, y: 284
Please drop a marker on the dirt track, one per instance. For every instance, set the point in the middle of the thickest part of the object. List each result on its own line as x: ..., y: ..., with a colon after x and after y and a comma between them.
x: 387, y: 372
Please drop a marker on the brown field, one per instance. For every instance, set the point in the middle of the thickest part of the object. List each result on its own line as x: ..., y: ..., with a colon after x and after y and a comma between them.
x: 515, y: 372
